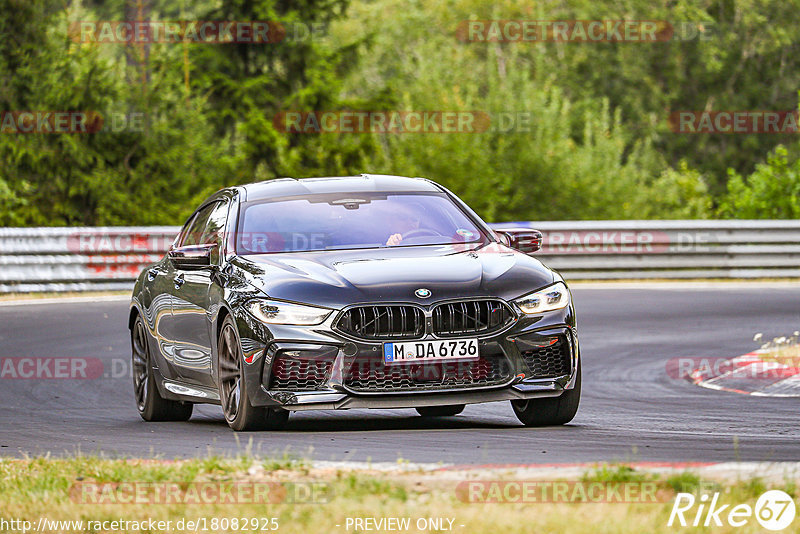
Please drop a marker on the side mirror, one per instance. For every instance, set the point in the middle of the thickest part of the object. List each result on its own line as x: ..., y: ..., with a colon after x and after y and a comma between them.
x: 191, y: 257
x: 525, y: 240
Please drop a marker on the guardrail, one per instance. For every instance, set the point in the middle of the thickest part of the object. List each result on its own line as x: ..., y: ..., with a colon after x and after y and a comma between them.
x: 608, y: 250
x: 78, y: 259
x: 110, y: 258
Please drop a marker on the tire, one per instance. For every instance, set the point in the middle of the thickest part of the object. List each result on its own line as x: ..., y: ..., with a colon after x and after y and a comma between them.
x: 151, y: 405
x: 550, y: 411
x: 440, y: 411
x: 239, y: 413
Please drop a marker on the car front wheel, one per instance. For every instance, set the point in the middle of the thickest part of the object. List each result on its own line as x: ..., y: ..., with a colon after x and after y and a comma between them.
x: 549, y: 411
x: 233, y: 387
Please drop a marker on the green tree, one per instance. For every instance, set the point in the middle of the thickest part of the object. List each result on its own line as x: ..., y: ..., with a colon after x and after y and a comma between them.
x: 772, y: 191
x: 573, y: 158
x: 144, y: 173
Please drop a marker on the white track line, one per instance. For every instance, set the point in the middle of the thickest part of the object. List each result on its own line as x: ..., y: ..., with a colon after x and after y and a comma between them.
x: 65, y: 300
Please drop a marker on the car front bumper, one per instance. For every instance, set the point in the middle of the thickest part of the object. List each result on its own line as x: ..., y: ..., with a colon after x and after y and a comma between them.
x: 336, y: 354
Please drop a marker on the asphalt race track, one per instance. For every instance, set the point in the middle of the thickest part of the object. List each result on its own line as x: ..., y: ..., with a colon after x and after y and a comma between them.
x: 631, y: 409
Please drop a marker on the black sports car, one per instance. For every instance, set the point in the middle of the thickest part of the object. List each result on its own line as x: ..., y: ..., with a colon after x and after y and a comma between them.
x: 358, y: 292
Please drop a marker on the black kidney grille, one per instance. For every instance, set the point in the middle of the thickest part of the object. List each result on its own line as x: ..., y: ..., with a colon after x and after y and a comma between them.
x: 383, y: 322
x: 470, y: 317
x: 550, y: 361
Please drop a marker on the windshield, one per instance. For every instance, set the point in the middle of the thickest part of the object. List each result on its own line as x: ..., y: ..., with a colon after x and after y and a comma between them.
x: 352, y: 220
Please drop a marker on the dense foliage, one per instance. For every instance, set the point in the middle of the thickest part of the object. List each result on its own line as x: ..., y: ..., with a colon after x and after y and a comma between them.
x: 596, y: 143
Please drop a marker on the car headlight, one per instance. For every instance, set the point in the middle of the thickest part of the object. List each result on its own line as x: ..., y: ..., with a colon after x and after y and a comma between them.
x: 276, y: 312
x: 551, y: 298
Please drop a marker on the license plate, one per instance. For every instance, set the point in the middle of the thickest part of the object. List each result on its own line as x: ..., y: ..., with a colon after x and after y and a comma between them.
x: 421, y: 351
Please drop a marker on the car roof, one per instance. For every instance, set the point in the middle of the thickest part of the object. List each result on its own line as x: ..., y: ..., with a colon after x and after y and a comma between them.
x: 285, y: 187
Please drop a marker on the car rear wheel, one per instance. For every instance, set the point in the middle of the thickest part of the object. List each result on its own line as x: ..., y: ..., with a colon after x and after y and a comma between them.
x: 440, y: 411
x: 233, y: 387
x: 151, y: 405
x: 552, y: 410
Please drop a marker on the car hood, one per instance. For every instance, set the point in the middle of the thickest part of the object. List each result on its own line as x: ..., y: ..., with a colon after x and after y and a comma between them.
x: 339, y: 278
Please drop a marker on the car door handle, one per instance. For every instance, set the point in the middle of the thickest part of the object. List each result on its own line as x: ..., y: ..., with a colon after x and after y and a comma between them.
x: 179, y: 281
x: 151, y: 274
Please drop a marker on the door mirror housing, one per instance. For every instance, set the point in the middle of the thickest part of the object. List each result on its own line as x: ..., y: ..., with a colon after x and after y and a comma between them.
x: 525, y: 240
x: 191, y: 257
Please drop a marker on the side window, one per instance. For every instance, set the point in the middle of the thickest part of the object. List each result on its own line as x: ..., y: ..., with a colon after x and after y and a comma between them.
x: 197, y: 227
x: 184, y: 230
x: 215, y: 227
x: 215, y: 230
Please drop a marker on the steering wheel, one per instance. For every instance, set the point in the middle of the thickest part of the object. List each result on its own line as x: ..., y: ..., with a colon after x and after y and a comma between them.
x: 420, y: 232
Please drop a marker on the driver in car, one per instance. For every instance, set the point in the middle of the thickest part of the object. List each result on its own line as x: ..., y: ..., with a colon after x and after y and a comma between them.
x: 402, y: 222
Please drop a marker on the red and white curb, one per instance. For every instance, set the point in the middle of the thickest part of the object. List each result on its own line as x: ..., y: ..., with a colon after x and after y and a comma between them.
x: 751, y: 374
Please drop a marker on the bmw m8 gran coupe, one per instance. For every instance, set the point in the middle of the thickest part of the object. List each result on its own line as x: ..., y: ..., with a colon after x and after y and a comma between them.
x: 369, y: 291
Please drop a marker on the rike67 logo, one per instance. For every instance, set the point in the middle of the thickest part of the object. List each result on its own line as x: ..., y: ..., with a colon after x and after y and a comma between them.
x: 774, y: 510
